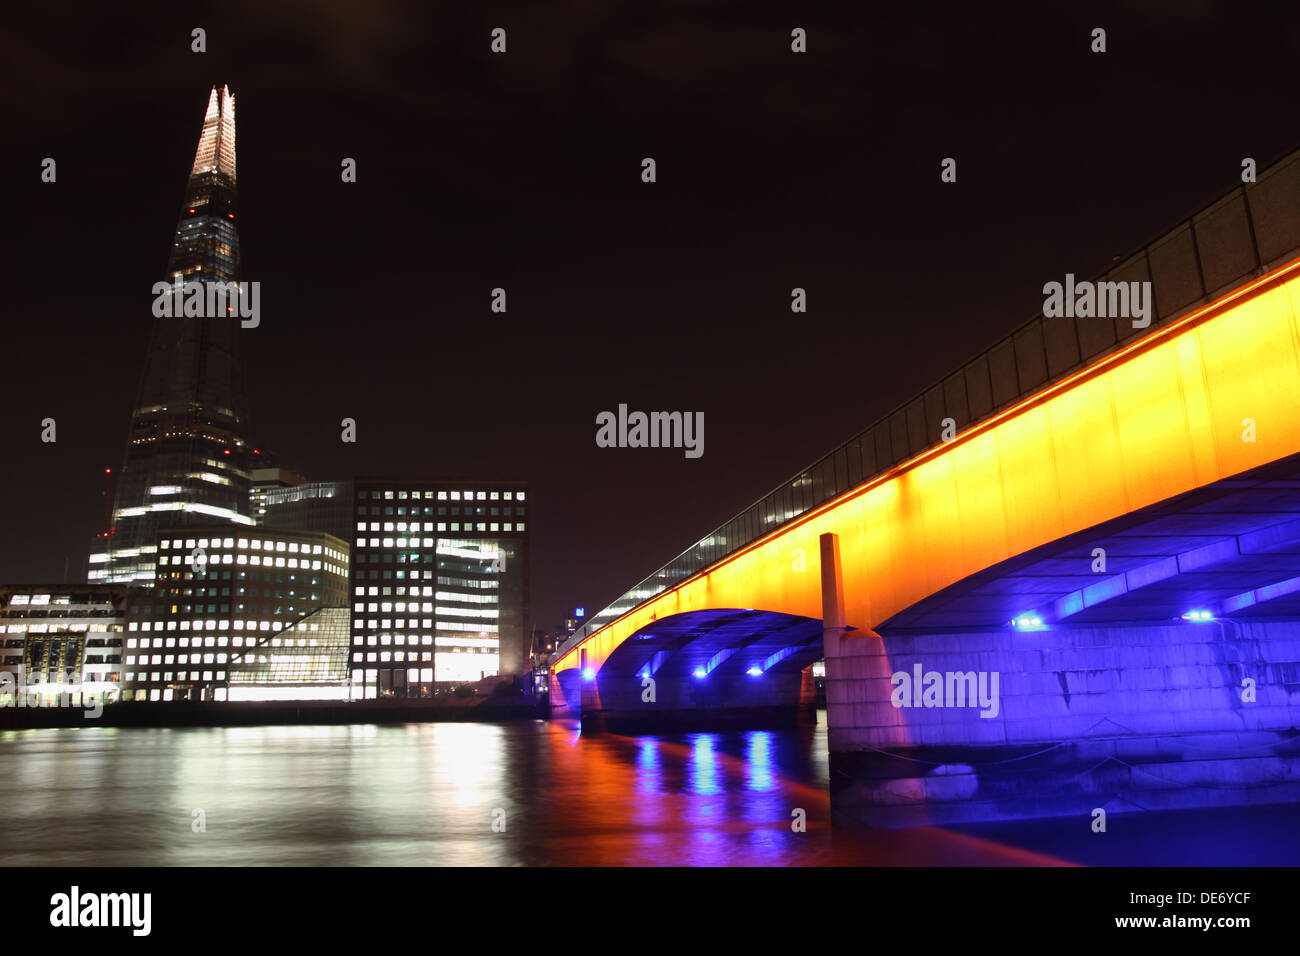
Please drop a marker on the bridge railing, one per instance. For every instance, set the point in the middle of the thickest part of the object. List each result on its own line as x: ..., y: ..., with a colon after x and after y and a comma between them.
x: 1243, y: 234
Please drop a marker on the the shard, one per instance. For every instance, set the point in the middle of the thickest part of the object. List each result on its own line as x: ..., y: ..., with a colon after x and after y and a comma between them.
x: 187, y: 459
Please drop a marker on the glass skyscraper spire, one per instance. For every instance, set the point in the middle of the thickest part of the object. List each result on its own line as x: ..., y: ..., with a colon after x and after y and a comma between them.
x: 187, y: 461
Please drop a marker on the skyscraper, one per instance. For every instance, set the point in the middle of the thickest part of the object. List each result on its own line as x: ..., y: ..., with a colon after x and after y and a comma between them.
x: 187, y: 461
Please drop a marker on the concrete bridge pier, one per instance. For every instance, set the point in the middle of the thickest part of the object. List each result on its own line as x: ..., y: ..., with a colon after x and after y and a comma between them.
x: 1084, y: 722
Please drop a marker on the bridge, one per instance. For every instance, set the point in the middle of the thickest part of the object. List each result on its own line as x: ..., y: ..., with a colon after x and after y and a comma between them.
x: 1064, y: 579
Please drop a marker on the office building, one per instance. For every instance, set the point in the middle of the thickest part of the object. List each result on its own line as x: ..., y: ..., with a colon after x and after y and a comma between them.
x: 63, y: 642
x: 308, y: 506
x: 439, y: 584
x: 262, y: 480
x: 224, y: 592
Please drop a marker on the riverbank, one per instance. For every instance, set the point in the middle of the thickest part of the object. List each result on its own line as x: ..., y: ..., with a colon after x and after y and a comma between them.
x: 243, y: 714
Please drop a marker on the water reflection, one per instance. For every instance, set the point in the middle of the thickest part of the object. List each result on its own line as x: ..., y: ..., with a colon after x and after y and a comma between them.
x: 532, y: 793
x: 703, y: 766
x: 758, y: 760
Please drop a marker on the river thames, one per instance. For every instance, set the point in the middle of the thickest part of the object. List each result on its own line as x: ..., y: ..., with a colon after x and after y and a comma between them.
x: 525, y: 793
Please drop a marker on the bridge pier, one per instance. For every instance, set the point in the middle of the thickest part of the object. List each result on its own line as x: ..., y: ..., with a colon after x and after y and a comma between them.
x: 1120, y: 718
x: 565, y: 694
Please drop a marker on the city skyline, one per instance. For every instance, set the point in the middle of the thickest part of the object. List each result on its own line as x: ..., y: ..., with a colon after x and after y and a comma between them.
x: 550, y: 206
x: 683, y: 435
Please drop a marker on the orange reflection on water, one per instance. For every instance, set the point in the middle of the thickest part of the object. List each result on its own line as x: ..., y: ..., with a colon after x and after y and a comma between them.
x: 724, y: 800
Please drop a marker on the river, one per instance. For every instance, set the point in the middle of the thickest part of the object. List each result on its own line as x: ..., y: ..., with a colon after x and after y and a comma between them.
x: 522, y: 793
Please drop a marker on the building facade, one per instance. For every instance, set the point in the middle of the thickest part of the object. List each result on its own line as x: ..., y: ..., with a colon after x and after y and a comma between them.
x: 439, y: 584
x: 308, y: 660
x: 308, y: 506
x: 220, y: 593
x: 187, y: 460
x: 261, y: 481
x: 63, y: 642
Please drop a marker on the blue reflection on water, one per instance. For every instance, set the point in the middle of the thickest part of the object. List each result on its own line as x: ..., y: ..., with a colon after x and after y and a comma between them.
x: 702, y: 773
x: 649, y: 775
x: 758, y: 754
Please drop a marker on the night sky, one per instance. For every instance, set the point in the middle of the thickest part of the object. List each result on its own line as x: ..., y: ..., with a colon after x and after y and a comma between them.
x: 523, y: 171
